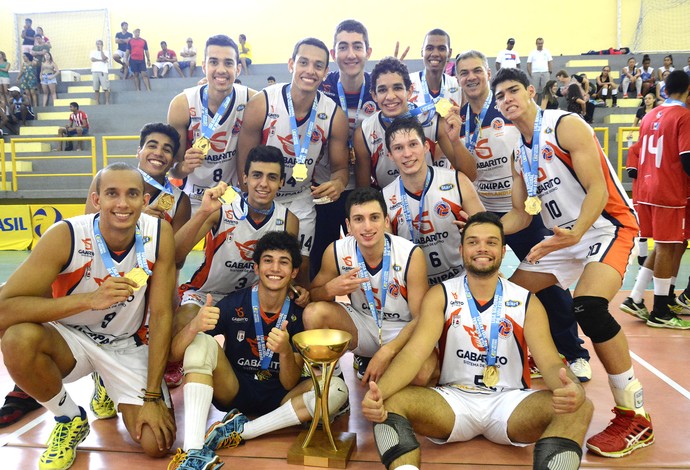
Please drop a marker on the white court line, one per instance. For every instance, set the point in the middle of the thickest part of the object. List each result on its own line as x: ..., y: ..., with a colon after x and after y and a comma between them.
x: 661, y: 375
x: 26, y: 428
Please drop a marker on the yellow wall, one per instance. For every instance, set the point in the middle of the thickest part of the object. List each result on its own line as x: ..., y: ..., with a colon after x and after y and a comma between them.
x: 273, y: 26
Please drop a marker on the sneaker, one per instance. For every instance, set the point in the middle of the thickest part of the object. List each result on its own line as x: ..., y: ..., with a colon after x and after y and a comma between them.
x: 684, y: 302
x: 626, y: 432
x: 581, y: 368
x: 668, y: 321
x: 62, y: 444
x: 227, y: 432
x: 534, y: 371
x: 195, y: 459
x: 174, y: 374
x: 17, y: 405
x: 633, y: 308
x: 101, y: 404
x: 360, y: 364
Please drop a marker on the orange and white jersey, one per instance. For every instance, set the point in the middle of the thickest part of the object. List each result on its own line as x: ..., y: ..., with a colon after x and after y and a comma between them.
x: 86, y: 271
x: 219, y: 164
x: 436, y: 234
x: 449, y: 89
x: 462, y: 356
x: 277, y: 132
x: 228, y: 263
x: 560, y: 190
x: 170, y: 213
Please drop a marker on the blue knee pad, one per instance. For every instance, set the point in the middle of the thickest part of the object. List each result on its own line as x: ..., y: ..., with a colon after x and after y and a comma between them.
x: 592, y: 314
x: 394, y: 438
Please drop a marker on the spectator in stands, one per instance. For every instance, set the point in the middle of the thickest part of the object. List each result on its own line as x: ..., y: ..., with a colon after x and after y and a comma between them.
x: 648, y: 75
x: 508, y: 58
x: 38, y: 52
x: 606, y: 87
x: 563, y: 79
x: 550, y: 100
x: 648, y: 104
x: 99, y: 73
x: 271, y: 80
x: 576, y: 102
x: 20, y: 108
x: 539, y: 67
x: 661, y: 94
x: 165, y: 60
x: 27, y: 35
x: 188, y: 54
x: 686, y: 69
x: 667, y: 67
x: 39, y: 32
x: 5, y: 120
x: 137, y: 50
x: 632, y: 73
x: 78, y: 125
x: 49, y: 74
x: 245, y: 53
x: 122, y: 40
x: 4, y: 77
x: 27, y: 79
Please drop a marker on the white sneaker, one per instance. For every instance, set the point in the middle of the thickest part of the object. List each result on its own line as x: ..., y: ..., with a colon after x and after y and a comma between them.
x: 581, y: 368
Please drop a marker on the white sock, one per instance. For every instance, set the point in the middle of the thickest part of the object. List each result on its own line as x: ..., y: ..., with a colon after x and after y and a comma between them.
x: 282, y: 417
x: 62, y: 405
x: 662, y: 286
x: 627, y: 391
x: 407, y: 467
x: 197, y: 403
x: 620, y: 381
x: 641, y: 283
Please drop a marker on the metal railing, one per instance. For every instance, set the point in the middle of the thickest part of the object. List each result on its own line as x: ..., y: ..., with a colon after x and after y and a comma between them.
x: 3, y: 173
x: 621, y: 147
x: 604, y: 141
x: 106, y: 139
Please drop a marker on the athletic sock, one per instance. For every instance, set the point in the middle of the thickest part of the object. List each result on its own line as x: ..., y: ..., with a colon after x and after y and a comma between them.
x: 62, y: 405
x: 643, y: 277
x: 627, y: 390
x: 197, y: 403
x: 661, y: 288
x: 282, y: 417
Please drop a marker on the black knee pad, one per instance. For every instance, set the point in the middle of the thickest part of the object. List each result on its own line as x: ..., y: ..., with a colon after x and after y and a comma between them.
x: 394, y: 438
x: 556, y: 453
x: 592, y: 314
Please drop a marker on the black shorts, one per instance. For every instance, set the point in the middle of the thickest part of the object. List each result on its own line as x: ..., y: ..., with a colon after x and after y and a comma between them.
x: 137, y: 66
x: 255, y: 397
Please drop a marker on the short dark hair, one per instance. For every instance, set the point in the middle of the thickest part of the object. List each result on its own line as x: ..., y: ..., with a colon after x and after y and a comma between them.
x: 507, y: 75
x: 271, y: 77
x: 117, y: 166
x: 390, y: 65
x: 161, y: 128
x: 266, y: 154
x: 483, y: 218
x: 123, y: 23
x: 363, y: 195
x: 311, y: 42
x: 223, y: 41
x: 677, y: 82
x: 242, y: 36
x: 438, y: 32
x: 74, y: 104
x: 352, y: 26
x: 28, y: 20
x: 562, y: 73
x: 280, y: 241
x: 403, y: 124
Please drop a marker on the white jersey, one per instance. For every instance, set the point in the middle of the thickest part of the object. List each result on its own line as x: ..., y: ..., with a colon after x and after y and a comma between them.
x: 219, y: 164
x: 449, y: 89
x: 228, y: 264
x: 396, y: 309
x: 463, y: 359
x: 383, y: 169
x: 170, y: 213
x: 85, y: 272
x: 277, y: 132
x: 560, y: 190
x: 493, y: 155
x: 436, y: 234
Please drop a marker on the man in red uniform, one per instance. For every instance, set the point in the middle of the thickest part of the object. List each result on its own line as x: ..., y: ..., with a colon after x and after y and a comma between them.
x: 137, y: 50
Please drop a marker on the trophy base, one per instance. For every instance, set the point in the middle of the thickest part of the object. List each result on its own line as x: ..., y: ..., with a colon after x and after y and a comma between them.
x: 319, y: 452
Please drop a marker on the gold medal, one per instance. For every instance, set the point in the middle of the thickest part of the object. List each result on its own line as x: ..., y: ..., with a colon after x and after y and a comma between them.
x: 352, y: 156
x: 490, y: 377
x: 228, y: 196
x: 203, y: 144
x: 299, y: 172
x: 443, y: 107
x: 262, y: 375
x: 139, y: 276
x: 533, y: 205
x: 166, y: 201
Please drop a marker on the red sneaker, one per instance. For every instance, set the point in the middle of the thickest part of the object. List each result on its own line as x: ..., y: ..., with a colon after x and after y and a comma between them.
x: 17, y: 404
x: 626, y: 432
x: 174, y: 374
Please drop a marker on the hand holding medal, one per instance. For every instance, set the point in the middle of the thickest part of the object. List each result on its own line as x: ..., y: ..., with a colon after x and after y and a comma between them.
x: 443, y: 107
x: 202, y: 144
x: 139, y: 276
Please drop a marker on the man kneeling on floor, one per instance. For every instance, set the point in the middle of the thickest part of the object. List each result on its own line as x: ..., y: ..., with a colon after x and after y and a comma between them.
x: 257, y: 323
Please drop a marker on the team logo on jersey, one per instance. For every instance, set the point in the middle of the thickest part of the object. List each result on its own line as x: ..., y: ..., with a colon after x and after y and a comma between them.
x: 442, y: 209
x: 252, y: 344
x: 547, y: 153
x: 658, y: 115
x: 239, y: 312
x: 280, y: 222
x: 88, y: 245
x: 229, y: 214
x: 317, y: 134
x: 394, y: 289
x: 322, y: 116
x: 512, y: 303
x: 192, y: 112
x: 369, y: 108
x: 455, y: 295
x: 236, y: 127
x: 425, y: 226
x: 347, y: 260
x: 240, y: 336
x: 655, y: 126
x: 241, y: 107
x: 446, y: 187
x: 455, y: 319
x: 397, y: 268
x: 246, y: 249
x: 374, y: 138
x: 472, y: 332
x: 195, y: 297
x: 505, y: 328
x: 326, y: 87
x: 87, y: 271
x: 497, y: 124
x: 146, y: 239
x: 228, y: 234
x: 453, y: 89
x: 548, y: 130
x: 393, y: 199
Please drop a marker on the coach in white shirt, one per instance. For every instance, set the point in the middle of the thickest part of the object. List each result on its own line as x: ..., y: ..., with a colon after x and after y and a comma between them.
x: 539, y: 63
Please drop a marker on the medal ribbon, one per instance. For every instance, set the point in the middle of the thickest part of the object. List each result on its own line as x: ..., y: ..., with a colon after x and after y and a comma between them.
x: 206, y: 128
x: 491, y: 347
x: 471, y: 141
x: 406, y: 208
x: 414, y: 112
x: 343, y: 104
x: 368, y: 291
x: 672, y: 102
x: 105, y: 253
x: 265, y: 354
x: 167, y: 188
x: 300, y: 149
x: 530, y: 167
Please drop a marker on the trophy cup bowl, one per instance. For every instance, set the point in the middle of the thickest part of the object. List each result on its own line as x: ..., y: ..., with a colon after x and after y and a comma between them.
x: 321, y: 349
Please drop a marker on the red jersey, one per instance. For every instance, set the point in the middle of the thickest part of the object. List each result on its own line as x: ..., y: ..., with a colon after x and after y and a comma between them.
x: 166, y: 56
x: 633, y: 161
x: 137, y: 46
x: 79, y: 119
x: 665, y: 134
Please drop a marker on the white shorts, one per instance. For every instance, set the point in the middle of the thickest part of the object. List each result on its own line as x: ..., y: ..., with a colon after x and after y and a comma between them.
x: 305, y: 211
x: 368, y: 332
x: 163, y: 65
x: 4, y: 80
x: 123, y: 365
x: 119, y: 53
x: 481, y: 414
x: 197, y: 297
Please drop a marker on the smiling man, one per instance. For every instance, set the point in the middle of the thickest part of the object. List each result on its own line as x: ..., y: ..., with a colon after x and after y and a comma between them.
x: 433, y: 82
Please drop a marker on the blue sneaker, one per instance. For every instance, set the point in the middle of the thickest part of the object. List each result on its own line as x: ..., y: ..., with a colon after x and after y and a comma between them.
x: 195, y: 459
x: 226, y: 432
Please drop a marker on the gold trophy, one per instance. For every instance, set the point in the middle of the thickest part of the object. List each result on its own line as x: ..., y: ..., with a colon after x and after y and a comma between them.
x: 322, y: 349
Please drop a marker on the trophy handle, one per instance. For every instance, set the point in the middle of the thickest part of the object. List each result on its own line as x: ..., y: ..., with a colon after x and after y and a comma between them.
x: 321, y: 404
